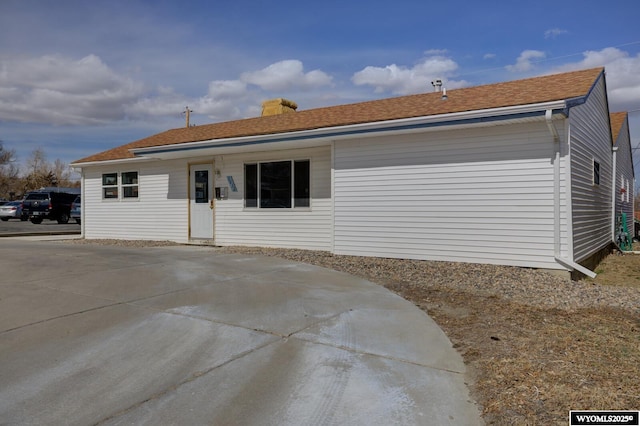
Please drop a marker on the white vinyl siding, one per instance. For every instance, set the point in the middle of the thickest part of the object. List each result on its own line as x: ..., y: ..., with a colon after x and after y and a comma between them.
x: 590, y: 139
x: 624, y: 172
x: 158, y: 213
x: 305, y: 228
x: 479, y: 195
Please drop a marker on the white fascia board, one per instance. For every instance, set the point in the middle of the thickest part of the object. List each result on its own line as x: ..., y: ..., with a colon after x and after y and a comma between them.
x: 79, y: 166
x: 329, y: 134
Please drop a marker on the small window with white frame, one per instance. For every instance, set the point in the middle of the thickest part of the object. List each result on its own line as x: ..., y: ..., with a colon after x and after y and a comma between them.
x: 129, y: 184
x: 110, y: 186
x: 627, y: 191
x: 596, y: 172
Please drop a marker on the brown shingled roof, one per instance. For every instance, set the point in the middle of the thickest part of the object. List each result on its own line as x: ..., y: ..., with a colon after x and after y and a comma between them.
x: 617, y: 119
x: 520, y: 92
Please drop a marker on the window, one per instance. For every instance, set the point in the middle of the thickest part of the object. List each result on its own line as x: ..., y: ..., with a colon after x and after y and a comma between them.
x: 202, y: 186
x: 627, y: 191
x: 301, y: 195
x: 251, y: 185
x: 110, y: 185
x: 596, y: 173
x: 130, y: 185
x: 277, y: 184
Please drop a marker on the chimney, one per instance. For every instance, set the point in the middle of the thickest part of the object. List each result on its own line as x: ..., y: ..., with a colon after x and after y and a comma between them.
x: 437, y: 85
x: 278, y: 106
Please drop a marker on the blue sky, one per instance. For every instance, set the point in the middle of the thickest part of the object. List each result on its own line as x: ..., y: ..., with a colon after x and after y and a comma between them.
x: 79, y: 77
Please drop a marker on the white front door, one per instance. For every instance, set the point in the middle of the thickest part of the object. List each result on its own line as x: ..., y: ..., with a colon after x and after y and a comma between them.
x: 201, y: 201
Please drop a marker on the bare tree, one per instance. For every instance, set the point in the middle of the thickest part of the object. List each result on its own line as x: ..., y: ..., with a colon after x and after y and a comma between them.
x: 62, y: 173
x: 9, y: 173
x: 40, y: 173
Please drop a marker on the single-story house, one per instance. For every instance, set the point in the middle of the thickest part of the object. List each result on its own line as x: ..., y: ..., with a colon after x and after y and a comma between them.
x: 623, y: 193
x: 516, y: 173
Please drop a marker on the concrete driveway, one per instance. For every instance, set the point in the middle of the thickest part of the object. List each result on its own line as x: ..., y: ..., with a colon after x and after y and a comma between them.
x: 189, y: 335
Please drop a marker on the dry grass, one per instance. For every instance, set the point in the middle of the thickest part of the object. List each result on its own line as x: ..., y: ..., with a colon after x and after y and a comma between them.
x: 532, y: 365
x: 620, y: 270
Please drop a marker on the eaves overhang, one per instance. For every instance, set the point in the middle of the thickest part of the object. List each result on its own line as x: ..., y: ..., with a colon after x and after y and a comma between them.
x: 327, y: 135
x: 109, y: 162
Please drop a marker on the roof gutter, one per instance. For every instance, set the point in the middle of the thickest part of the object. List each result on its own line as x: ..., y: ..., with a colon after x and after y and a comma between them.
x: 477, y: 117
x: 108, y: 162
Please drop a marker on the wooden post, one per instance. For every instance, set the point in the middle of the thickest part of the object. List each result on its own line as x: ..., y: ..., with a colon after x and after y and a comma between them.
x: 186, y: 112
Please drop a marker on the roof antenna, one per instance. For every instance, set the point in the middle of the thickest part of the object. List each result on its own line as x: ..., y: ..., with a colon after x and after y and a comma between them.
x: 186, y: 112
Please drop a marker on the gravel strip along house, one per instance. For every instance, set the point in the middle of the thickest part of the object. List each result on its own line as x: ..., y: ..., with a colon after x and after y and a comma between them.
x: 517, y: 173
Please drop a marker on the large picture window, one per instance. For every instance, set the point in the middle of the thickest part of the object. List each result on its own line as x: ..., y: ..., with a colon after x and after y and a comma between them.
x: 277, y: 184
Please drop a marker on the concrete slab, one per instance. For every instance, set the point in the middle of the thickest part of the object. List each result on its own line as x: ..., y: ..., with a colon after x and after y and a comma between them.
x: 81, y: 369
x: 23, y: 304
x: 187, y: 335
x: 293, y: 382
x: 402, y: 333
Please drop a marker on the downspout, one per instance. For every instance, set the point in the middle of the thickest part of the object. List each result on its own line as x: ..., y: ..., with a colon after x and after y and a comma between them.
x: 614, y: 151
x: 556, y: 201
x: 83, y: 223
x: 556, y: 182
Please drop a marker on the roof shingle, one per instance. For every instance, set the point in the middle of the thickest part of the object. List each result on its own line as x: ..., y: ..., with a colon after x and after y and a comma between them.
x: 617, y: 119
x: 520, y: 92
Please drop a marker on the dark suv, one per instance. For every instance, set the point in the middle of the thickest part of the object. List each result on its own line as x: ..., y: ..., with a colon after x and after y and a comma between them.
x: 49, y: 204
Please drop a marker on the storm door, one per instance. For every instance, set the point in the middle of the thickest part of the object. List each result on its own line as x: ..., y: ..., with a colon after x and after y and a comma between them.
x: 201, y: 202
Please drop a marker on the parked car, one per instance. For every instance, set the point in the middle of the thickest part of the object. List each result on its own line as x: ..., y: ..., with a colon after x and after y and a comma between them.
x: 11, y: 210
x: 76, y: 209
x: 52, y: 204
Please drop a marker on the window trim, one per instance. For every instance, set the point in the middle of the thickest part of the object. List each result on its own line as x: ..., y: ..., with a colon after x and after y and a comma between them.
x: 595, y: 178
x: 120, y: 186
x: 113, y: 186
x: 258, y: 189
x: 130, y: 185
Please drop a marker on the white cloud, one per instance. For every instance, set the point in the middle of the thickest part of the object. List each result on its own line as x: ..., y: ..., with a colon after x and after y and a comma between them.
x: 489, y: 56
x: 554, y: 32
x: 223, y: 101
x: 285, y: 75
x: 526, y: 60
x: 60, y: 90
x: 623, y: 79
x: 435, y: 52
x: 227, y: 88
x: 403, y: 80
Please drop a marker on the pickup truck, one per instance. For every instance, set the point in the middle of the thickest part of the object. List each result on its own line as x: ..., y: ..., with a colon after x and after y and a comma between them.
x: 48, y: 204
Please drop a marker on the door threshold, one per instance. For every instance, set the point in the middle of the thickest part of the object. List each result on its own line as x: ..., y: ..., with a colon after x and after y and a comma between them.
x: 202, y: 242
